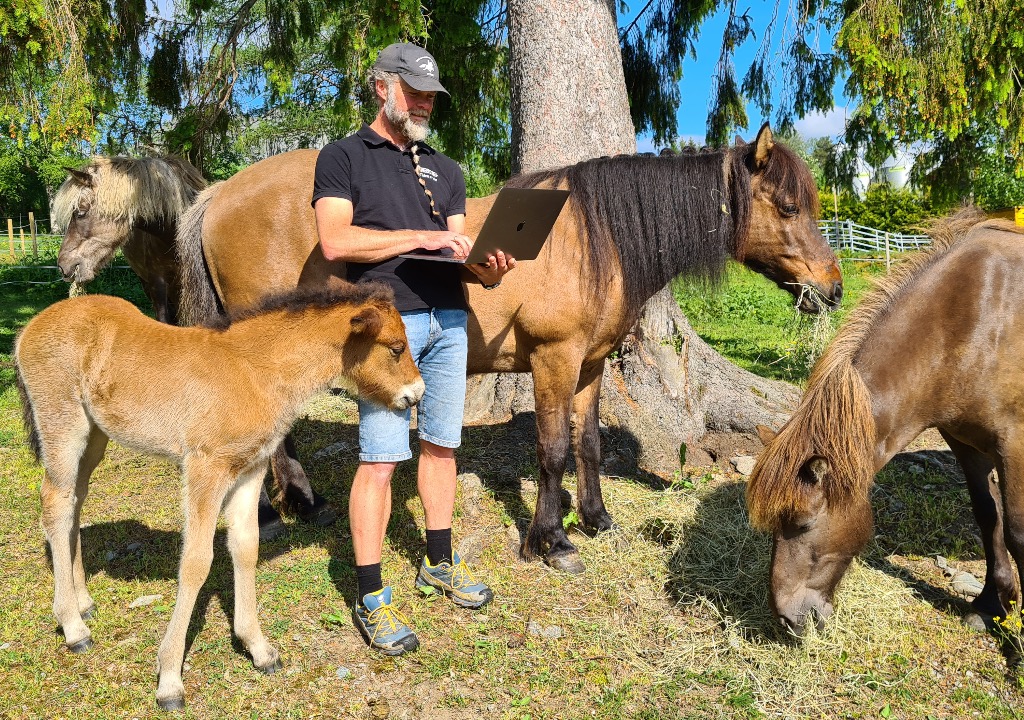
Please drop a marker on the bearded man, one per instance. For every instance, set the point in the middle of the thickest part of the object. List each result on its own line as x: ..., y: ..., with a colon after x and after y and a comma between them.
x: 378, y: 193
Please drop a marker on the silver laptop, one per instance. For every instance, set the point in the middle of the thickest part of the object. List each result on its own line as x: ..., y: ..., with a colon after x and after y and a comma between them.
x: 518, y: 224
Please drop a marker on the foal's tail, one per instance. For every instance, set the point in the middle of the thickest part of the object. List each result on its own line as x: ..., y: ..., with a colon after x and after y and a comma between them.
x: 27, y: 415
x: 199, y: 302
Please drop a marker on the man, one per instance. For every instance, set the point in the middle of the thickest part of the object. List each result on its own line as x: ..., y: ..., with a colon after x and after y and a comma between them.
x: 379, y: 193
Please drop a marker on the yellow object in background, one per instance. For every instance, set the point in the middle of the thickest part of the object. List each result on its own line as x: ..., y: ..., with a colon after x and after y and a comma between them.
x: 1018, y: 214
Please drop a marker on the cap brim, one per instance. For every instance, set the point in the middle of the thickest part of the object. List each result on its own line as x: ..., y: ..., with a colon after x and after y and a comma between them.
x: 423, y: 84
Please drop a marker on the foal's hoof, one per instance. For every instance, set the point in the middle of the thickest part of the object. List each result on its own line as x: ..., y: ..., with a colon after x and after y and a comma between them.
x: 271, y: 667
x: 172, y: 704
x: 569, y: 562
x: 89, y: 613
x: 82, y: 646
x: 272, y: 529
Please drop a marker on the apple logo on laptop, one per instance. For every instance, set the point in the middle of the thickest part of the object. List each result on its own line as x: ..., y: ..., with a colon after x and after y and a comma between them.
x: 520, y: 226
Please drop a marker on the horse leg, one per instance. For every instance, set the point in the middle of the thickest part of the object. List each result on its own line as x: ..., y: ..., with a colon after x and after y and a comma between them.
x: 298, y: 494
x: 555, y: 376
x: 587, y: 443
x: 1010, y: 465
x: 1000, y: 585
x: 243, y: 543
x: 68, y: 467
x: 205, y: 488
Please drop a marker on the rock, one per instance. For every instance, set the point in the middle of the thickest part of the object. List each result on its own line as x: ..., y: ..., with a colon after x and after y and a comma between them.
x: 333, y: 449
x: 513, y: 540
x: 966, y: 584
x: 145, y: 600
x: 471, y: 548
x: 527, y: 486
x: 941, y: 562
x: 552, y: 633
x: 111, y: 555
x: 132, y: 547
x: 343, y: 673
x: 744, y: 464
x: 5, y: 646
x: 471, y: 482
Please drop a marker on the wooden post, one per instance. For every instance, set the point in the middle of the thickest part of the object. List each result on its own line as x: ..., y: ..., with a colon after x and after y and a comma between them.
x: 10, y: 235
x: 32, y: 230
x: 887, y: 259
x: 21, y: 231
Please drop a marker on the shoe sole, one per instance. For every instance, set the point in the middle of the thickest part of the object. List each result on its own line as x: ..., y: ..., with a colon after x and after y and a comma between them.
x: 451, y: 595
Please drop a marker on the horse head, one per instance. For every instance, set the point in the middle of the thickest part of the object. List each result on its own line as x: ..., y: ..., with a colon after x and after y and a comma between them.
x: 92, y: 235
x: 783, y: 242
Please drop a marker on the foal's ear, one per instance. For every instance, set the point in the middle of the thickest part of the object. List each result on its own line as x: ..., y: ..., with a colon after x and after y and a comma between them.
x: 765, y: 142
x: 765, y: 433
x: 367, y: 322
x: 740, y: 142
x: 80, y: 175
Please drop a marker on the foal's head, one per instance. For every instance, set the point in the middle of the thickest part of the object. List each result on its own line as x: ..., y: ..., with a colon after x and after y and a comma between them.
x: 783, y: 241
x: 101, y: 205
x: 377, y: 358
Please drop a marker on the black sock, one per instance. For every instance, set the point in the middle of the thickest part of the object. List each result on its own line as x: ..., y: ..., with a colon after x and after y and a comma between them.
x: 368, y: 577
x: 439, y: 546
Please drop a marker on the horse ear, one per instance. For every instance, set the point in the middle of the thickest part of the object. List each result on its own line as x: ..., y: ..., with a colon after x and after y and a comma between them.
x: 367, y: 322
x: 765, y: 433
x: 765, y: 142
x: 817, y: 468
x: 80, y: 175
x: 740, y: 142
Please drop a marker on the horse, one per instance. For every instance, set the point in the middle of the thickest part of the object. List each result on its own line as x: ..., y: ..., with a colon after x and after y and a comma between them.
x: 216, y: 400
x: 937, y: 344
x: 128, y: 204
x: 631, y: 224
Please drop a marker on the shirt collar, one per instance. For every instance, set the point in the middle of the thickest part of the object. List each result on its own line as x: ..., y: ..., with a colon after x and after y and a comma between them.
x: 370, y: 136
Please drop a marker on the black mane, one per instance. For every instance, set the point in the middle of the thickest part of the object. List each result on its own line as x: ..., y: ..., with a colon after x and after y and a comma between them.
x: 657, y: 217
x: 301, y: 298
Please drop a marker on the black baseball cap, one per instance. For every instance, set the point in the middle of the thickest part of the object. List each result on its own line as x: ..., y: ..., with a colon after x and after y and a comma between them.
x: 414, y: 64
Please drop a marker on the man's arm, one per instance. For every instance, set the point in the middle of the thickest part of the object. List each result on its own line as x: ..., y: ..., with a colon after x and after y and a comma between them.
x: 341, y: 240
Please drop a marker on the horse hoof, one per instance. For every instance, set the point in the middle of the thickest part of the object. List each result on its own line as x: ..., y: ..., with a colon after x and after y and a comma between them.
x: 89, y: 613
x: 569, y: 563
x: 271, y: 667
x: 273, y: 529
x: 82, y: 646
x: 321, y: 516
x: 173, y: 704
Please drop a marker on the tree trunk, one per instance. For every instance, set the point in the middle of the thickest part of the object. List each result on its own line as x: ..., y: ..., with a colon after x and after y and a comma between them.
x: 666, y: 386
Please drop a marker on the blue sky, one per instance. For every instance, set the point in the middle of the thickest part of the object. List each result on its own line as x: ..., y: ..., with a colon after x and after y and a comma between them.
x: 695, y: 86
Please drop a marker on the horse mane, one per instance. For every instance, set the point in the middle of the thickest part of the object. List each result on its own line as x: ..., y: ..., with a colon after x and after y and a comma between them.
x: 131, y: 190
x: 305, y: 297
x: 834, y: 420
x: 651, y: 218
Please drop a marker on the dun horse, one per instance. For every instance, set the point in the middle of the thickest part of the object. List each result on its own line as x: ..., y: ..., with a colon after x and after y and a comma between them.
x: 938, y: 344
x: 216, y: 400
x: 630, y: 226
x: 131, y: 204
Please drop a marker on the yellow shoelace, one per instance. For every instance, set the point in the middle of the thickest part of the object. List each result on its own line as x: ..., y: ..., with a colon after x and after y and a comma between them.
x: 388, y: 615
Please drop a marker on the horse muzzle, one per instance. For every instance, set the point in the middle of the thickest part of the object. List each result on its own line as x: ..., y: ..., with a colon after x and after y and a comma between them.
x: 409, y: 395
x: 812, y: 299
x: 813, y: 608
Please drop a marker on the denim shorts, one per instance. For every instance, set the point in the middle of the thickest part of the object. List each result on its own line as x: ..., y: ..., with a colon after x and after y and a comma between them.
x: 437, y: 341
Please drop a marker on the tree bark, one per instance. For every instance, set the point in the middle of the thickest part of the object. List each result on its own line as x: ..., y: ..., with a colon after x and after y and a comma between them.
x: 666, y: 386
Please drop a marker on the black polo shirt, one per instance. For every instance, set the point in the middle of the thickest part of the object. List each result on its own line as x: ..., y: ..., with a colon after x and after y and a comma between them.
x: 380, y: 180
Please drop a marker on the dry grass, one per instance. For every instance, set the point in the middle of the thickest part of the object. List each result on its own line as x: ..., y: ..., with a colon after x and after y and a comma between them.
x: 670, y: 620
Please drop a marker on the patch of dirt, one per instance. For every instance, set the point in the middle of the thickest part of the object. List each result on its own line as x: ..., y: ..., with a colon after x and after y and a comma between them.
x: 716, y: 448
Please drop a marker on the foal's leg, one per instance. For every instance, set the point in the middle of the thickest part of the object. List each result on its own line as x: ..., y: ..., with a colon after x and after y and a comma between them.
x: 587, y: 443
x: 1000, y: 583
x: 243, y: 542
x: 95, y: 448
x: 70, y: 452
x: 205, y: 488
x: 555, y: 376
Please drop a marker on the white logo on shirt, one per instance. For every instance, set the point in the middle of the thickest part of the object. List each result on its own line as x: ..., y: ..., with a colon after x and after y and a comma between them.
x: 426, y: 172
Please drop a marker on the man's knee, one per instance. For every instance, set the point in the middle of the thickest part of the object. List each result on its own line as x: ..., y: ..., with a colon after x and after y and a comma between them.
x: 379, y: 473
x: 438, y: 452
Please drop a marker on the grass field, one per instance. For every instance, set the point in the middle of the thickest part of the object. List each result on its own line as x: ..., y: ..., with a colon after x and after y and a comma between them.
x: 669, y: 621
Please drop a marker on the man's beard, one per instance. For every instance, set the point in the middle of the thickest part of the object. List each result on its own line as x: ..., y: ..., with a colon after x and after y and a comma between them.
x: 402, y: 120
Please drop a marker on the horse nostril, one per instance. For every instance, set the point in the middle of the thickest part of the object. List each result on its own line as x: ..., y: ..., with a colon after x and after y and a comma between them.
x: 837, y: 292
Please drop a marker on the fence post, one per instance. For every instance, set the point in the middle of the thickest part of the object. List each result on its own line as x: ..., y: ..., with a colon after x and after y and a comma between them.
x: 887, y: 251
x: 10, y: 235
x: 32, y: 230
x: 21, y: 232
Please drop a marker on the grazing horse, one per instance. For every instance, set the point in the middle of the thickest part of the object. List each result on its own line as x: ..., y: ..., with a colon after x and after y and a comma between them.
x: 631, y: 224
x: 217, y: 400
x: 131, y: 204
x: 938, y: 344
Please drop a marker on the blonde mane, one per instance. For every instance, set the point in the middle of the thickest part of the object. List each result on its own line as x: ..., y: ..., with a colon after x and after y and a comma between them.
x: 130, y: 190
x: 834, y: 420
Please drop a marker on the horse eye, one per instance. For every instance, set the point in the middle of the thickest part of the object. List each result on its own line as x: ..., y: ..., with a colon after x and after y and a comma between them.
x: 397, y: 350
x: 789, y: 210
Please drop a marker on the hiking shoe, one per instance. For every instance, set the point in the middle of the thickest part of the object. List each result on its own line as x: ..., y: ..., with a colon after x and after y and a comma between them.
x: 382, y: 625
x: 456, y: 581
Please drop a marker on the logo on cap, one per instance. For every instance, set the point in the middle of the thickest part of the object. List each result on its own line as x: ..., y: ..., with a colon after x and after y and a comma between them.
x: 427, y: 65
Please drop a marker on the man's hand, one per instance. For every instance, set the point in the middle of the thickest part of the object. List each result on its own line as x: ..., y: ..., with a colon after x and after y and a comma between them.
x: 494, y: 270
x: 441, y: 239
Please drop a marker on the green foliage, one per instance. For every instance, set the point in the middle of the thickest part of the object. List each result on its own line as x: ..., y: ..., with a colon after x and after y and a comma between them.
x: 28, y: 175
x: 883, y: 207
x: 996, y: 185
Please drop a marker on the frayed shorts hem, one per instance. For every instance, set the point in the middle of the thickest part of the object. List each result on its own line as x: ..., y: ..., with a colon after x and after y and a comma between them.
x: 393, y: 457
x: 450, y: 444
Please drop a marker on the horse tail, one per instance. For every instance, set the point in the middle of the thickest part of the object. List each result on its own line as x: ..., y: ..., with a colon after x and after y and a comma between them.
x: 199, y: 302
x: 27, y: 414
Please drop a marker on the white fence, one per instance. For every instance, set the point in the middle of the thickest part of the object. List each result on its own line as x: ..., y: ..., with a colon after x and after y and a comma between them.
x: 848, y: 235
